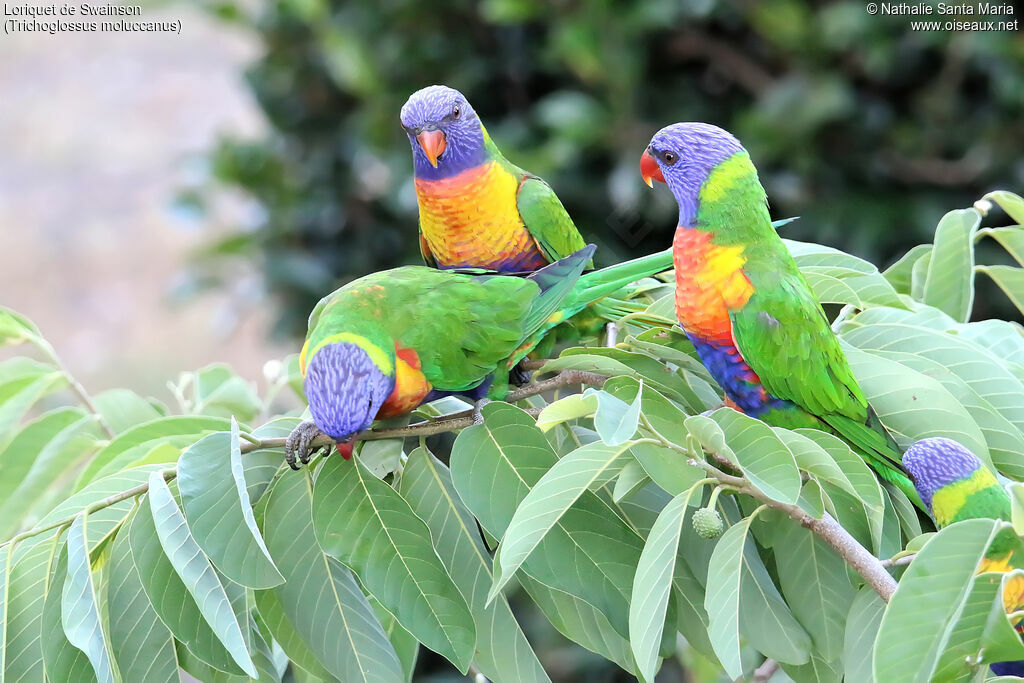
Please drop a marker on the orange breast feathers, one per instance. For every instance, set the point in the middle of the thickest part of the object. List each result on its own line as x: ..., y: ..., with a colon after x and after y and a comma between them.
x: 411, y: 387
x: 471, y: 219
x: 710, y: 282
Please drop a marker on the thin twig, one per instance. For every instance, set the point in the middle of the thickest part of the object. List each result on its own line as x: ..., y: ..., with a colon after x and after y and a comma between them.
x: 763, y: 673
x: 828, y: 529
x: 76, y: 387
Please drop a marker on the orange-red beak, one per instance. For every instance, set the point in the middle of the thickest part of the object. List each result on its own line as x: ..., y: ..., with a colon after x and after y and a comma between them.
x: 433, y: 143
x: 649, y: 169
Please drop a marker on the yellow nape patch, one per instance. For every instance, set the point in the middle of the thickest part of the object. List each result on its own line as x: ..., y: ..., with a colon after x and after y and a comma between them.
x: 948, y: 500
x: 721, y: 180
x: 381, y: 359
x: 556, y: 317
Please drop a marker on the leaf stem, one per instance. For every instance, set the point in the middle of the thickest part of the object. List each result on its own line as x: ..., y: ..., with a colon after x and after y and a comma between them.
x: 76, y: 386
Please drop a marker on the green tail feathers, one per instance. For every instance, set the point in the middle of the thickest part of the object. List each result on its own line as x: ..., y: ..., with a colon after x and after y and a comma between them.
x: 874, y: 444
x: 600, y: 283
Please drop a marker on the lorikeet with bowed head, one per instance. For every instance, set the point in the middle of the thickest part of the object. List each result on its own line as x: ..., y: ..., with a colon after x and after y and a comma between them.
x: 477, y: 209
x: 955, y: 485
x: 386, y: 343
x: 741, y: 300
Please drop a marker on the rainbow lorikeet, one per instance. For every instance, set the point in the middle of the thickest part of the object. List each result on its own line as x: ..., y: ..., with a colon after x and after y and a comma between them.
x: 748, y: 311
x: 955, y: 485
x: 476, y: 208
x: 386, y: 343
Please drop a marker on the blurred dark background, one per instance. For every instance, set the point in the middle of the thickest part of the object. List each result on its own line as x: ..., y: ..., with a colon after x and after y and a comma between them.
x: 867, y: 129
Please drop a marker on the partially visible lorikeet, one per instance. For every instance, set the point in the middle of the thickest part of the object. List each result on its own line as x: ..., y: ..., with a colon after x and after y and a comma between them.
x: 386, y: 343
x: 955, y: 485
x: 476, y: 208
x: 741, y: 300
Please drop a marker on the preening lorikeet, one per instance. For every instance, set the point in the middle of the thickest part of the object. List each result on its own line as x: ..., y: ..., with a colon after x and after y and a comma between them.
x: 476, y: 208
x: 741, y: 300
x: 386, y: 343
x: 955, y: 485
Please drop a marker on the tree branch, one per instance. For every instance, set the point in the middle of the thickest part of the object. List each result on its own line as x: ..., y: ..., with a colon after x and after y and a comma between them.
x: 250, y: 443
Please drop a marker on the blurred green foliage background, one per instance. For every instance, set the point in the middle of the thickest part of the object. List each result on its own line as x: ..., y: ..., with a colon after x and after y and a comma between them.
x: 865, y: 128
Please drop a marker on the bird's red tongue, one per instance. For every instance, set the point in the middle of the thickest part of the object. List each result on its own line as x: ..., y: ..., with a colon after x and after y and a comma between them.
x: 649, y: 168
x: 345, y: 449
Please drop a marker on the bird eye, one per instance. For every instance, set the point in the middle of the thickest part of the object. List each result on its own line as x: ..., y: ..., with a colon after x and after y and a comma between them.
x: 669, y: 158
x: 456, y: 112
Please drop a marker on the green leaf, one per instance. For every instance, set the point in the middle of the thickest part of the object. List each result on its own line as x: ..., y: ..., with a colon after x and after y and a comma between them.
x: 816, y: 585
x: 615, y: 421
x: 196, y: 572
x: 16, y: 328
x: 928, y: 601
x: 653, y: 584
x: 294, y: 646
x: 220, y: 392
x: 899, y: 273
x: 123, y: 409
x: 365, y: 524
x: 1009, y: 202
x: 761, y: 454
x: 503, y: 653
x: 913, y: 406
x: 565, y: 409
x: 320, y: 596
x: 216, y: 503
x: 949, y: 282
x: 1010, y: 280
x: 866, y: 489
x: 406, y: 646
x: 722, y: 599
x: 865, y: 615
x: 62, y: 660
x: 858, y: 280
x: 21, y: 610
x: 42, y: 447
x: 137, y: 628
x: 766, y: 621
x: 580, y: 622
x: 631, y: 478
x: 26, y: 384
x: 381, y: 456
x: 177, y: 430
x: 80, y: 613
x: 587, y: 467
x: 590, y: 553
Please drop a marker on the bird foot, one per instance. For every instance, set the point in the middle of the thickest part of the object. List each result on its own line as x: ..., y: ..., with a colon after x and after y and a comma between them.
x: 478, y: 416
x: 296, y: 446
x: 519, y: 376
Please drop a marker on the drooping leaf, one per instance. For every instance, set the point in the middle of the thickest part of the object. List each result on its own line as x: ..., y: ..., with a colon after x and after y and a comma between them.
x: 196, y: 573
x: 722, y: 600
x: 367, y: 525
x: 653, y: 584
x: 142, y: 647
x: 928, y: 601
x: 554, y: 493
x: 320, y: 596
x: 22, y: 607
x: 859, y: 639
x: 80, y: 609
x: 503, y: 653
x: 1010, y: 280
x: 62, y: 661
x: 216, y: 502
x: 615, y: 420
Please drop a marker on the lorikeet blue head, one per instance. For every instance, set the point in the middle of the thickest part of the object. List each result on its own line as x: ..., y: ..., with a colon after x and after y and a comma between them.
x: 953, y: 483
x: 445, y: 133
x: 345, y: 389
x: 682, y: 155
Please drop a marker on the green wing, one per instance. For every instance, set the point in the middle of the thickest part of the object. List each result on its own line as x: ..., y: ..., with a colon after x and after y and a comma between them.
x: 546, y: 219
x: 785, y: 338
x: 783, y: 335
